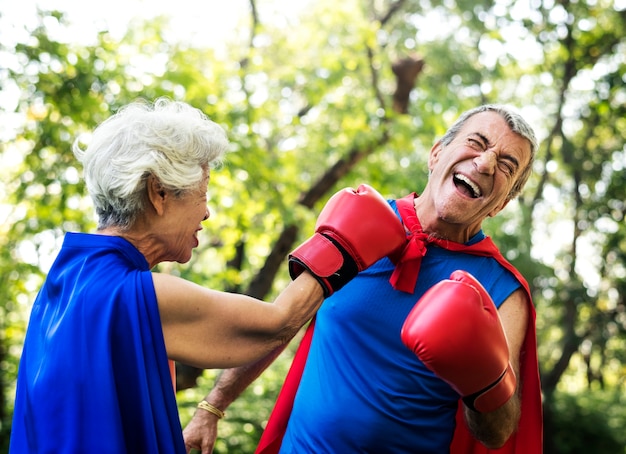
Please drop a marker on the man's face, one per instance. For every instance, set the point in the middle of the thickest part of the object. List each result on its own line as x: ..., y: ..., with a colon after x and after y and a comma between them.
x: 472, y: 176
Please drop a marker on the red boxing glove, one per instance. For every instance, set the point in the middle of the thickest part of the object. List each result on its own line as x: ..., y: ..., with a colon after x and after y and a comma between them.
x: 455, y: 330
x: 354, y: 230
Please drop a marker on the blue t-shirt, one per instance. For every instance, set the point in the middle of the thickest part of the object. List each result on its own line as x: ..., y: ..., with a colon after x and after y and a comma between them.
x: 93, y: 376
x: 362, y: 390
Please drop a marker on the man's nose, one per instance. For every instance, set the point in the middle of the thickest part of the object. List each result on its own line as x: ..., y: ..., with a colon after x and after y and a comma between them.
x: 207, y: 214
x: 486, y: 162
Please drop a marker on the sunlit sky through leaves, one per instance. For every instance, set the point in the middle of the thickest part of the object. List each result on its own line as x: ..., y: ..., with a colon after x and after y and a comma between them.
x: 200, y: 22
x: 210, y: 23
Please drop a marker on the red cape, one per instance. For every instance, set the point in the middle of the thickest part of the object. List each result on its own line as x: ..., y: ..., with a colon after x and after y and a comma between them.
x: 529, y: 436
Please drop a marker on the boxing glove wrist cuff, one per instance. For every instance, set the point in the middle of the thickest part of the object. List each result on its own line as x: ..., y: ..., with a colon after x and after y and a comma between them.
x: 493, y: 396
x: 327, y: 260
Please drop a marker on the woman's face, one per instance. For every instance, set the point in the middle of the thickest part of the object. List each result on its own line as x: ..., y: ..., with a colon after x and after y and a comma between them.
x: 184, y: 215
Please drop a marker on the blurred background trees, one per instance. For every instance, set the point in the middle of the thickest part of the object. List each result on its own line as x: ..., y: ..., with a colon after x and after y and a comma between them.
x: 328, y: 96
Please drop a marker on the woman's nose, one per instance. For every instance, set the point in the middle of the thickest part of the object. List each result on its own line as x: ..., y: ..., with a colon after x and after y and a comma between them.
x: 207, y: 214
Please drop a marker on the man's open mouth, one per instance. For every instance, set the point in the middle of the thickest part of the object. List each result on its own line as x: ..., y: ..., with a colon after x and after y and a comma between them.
x: 466, y: 185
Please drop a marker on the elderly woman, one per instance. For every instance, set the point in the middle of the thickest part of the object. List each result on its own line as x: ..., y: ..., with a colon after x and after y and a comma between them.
x: 104, y: 328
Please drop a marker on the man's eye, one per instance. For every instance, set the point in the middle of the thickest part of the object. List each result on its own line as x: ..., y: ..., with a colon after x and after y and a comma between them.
x: 507, y: 167
x: 475, y: 143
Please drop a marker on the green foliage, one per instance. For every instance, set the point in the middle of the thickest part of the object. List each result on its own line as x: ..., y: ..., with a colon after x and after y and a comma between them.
x: 590, y: 420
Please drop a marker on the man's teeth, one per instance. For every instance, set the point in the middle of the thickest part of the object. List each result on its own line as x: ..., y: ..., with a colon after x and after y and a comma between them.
x: 475, y: 189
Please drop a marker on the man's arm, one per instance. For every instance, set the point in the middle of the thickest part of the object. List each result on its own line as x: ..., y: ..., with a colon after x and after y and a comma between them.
x: 201, y: 432
x: 457, y: 332
x: 493, y: 429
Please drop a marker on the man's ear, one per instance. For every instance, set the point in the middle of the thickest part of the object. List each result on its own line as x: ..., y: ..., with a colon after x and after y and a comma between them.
x: 156, y: 194
x: 433, y: 157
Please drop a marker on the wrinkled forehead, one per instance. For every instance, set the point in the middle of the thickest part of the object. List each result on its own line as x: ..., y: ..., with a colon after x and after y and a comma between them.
x: 484, y: 122
x: 498, y: 133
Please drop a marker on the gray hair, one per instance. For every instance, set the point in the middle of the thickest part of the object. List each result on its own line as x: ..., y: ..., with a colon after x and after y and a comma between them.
x: 171, y: 140
x: 517, y: 124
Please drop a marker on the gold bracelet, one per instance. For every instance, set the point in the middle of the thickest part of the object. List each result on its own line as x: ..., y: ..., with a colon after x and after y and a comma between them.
x: 211, y: 409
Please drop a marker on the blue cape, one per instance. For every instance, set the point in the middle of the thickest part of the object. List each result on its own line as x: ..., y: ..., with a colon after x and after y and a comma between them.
x: 93, y: 376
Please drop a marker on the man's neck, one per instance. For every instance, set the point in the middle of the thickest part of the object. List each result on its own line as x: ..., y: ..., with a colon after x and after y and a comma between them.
x: 435, y: 225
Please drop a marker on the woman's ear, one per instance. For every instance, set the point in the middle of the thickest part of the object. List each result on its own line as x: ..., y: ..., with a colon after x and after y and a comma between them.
x: 156, y: 194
